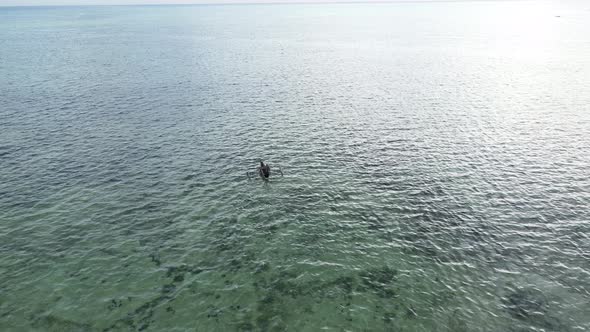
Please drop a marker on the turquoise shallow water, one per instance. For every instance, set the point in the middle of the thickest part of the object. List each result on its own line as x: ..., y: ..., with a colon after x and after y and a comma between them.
x: 435, y: 157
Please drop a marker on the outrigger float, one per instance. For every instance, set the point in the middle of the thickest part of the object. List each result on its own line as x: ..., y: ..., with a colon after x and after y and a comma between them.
x: 257, y: 174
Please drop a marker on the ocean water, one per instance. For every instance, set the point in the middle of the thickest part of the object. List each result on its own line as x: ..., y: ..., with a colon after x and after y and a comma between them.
x: 436, y: 167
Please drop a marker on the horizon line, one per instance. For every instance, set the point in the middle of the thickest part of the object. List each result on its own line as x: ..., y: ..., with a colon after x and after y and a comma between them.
x: 272, y: 2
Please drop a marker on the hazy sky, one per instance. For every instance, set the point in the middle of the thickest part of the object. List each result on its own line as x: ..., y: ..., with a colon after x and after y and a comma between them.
x: 126, y: 2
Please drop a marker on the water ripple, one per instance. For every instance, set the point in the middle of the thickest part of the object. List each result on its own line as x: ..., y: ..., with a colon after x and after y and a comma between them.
x: 436, y: 175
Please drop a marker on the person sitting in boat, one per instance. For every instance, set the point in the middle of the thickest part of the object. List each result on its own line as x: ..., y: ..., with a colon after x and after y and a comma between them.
x: 264, y: 170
